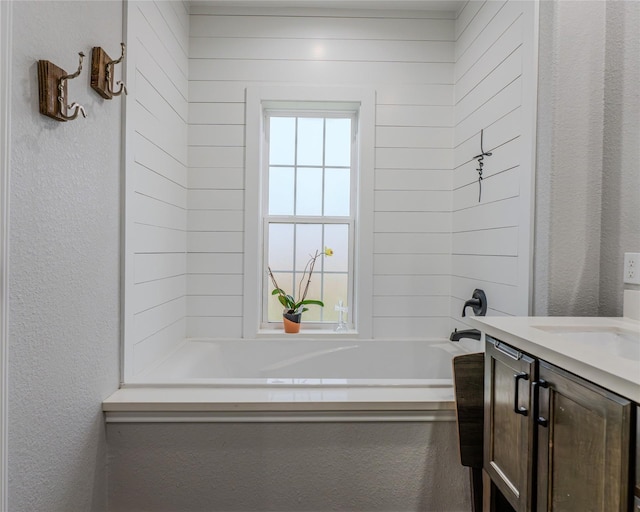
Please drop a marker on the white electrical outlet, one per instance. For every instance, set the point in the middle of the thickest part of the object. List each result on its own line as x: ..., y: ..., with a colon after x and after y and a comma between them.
x: 631, y: 268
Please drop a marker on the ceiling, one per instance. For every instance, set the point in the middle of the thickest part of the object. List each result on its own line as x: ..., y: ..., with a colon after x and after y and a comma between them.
x: 412, y: 5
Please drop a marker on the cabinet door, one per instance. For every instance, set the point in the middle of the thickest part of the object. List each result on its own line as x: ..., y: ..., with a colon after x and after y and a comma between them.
x: 583, y: 445
x: 508, y: 436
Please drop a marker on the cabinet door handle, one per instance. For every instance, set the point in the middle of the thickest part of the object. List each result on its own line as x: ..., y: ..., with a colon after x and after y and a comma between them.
x: 518, y: 409
x: 540, y: 420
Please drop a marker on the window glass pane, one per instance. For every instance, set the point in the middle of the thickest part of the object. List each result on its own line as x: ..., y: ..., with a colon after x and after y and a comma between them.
x: 309, y: 191
x: 337, y: 190
x: 310, y: 133
x: 274, y: 308
x: 308, y: 241
x: 315, y: 312
x: 282, y: 140
x: 336, y: 236
x: 281, y: 186
x: 335, y: 290
x: 280, y: 247
x: 338, y: 142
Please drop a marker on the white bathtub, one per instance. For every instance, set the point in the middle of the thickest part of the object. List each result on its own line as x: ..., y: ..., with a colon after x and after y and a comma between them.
x: 294, y: 379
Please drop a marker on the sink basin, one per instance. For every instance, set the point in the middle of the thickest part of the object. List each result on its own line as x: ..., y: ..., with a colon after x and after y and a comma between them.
x: 620, y: 342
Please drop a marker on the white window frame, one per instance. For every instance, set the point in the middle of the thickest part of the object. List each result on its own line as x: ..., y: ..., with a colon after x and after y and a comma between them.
x: 350, y: 220
x: 259, y: 99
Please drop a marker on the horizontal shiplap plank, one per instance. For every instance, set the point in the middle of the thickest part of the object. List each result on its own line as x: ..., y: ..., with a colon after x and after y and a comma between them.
x: 411, y: 285
x: 412, y: 306
x: 153, y: 239
x: 243, y: 48
x: 214, y: 220
x: 216, y: 199
x: 199, y: 241
x: 214, y: 284
x: 157, y: 159
x: 412, y: 222
x: 498, y: 79
x: 215, y: 263
x: 148, y: 210
x: 497, y: 269
x: 216, y: 113
x: 501, y: 214
x: 153, y: 293
x: 147, y: 323
x: 494, y: 188
x: 214, y: 306
x: 158, y: 345
x: 501, y: 29
x: 216, y: 156
x: 465, y: 17
x: 222, y: 178
x: 413, y: 137
x: 499, y: 241
x: 413, y: 158
x: 321, y: 73
x: 164, y: 32
x: 502, y: 103
x: 149, y: 68
x: 425, y: 327
x: 214, y: 327
x: 414, y: 115
x: 233, y: 91
x: 412, y: 243
x: 412, y: 201
x: 330, y: 27
x: 173, y: 140
x: 216, y: 135
x: 149, y: 267
x: 413, y: 264
x: 412, y: 179
x: 483, y: 17
x: 152, y: 184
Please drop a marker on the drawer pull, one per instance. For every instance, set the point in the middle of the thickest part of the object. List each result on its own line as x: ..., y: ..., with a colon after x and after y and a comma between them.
x: 518, y: 409
x: 508, y: 351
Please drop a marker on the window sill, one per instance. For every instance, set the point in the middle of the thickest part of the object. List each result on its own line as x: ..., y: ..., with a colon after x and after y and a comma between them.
x: 308, y: 332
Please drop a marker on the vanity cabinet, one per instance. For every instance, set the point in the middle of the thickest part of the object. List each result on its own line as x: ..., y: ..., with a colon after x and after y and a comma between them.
x: 553, y: 441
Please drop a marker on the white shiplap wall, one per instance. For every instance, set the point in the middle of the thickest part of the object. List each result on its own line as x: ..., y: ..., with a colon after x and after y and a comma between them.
x: 494, y: 89
x: 156, y: 180
x: 407, y: 57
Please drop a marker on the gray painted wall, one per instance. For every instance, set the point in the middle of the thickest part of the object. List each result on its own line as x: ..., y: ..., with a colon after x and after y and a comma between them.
x: 286, y: 467
x: 587, y: 183
x: 64, y: 264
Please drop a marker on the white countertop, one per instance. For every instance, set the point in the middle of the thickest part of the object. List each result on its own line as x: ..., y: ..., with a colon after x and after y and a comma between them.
x: 597, y: 363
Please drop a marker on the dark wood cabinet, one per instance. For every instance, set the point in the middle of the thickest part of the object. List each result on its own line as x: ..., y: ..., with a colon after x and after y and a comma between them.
x: 553, y: 441
x: 583, y: 444
x: 508, y: 436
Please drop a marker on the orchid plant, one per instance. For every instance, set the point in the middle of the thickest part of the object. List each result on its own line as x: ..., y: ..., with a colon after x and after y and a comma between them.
x: 289, y: 302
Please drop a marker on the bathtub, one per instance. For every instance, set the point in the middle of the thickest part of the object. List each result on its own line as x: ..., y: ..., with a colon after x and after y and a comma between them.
x: 294, y: 379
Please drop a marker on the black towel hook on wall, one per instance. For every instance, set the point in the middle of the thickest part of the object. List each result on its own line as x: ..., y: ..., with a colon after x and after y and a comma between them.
x: 480, y: 159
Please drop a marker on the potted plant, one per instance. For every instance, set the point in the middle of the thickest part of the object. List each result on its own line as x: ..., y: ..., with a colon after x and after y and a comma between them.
x: 293, y: 308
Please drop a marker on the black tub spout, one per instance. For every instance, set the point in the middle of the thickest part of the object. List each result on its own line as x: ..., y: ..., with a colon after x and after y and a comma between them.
x: 457, y: 335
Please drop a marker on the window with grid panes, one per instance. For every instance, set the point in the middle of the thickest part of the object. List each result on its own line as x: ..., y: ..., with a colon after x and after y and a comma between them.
x: 309, y: 206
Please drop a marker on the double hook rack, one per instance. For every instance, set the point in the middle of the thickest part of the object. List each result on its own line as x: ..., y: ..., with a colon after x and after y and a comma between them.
x: 53, y: 84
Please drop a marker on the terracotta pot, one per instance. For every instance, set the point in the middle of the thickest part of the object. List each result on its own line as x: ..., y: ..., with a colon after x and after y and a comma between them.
x: 291, y: 322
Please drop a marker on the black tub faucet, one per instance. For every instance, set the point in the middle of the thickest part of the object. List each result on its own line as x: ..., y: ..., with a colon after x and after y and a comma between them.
x: 478, y: 302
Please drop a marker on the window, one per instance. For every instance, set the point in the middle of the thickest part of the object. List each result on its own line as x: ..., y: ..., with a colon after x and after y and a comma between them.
x: 310, y: 169
x: 309, y: 185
